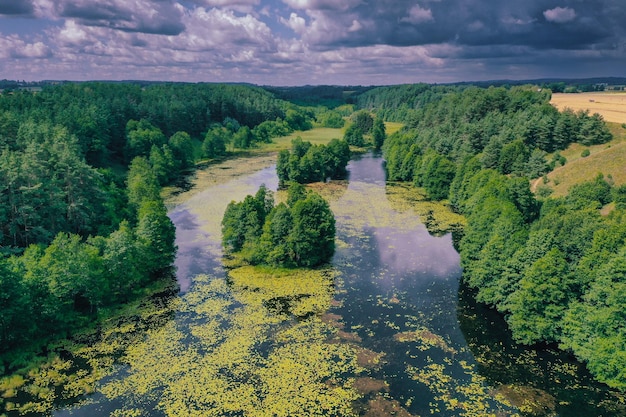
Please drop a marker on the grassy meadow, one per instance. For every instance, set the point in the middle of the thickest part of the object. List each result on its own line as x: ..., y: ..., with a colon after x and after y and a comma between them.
x: 392, y: 127
x: 608, y: 159
x: 317, y: 136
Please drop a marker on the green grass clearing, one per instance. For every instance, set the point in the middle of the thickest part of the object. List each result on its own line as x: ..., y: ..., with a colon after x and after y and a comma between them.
x: 393, y: 127
x: 317, y: 136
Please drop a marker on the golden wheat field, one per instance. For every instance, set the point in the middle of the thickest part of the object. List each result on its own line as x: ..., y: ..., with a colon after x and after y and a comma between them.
x: 611, y: 105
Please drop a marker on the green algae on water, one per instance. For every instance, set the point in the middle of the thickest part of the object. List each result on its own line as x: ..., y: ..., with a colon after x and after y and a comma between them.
x: 245, y: 357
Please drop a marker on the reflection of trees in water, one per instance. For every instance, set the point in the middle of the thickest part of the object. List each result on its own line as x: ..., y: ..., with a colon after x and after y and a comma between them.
x: 526, y: 376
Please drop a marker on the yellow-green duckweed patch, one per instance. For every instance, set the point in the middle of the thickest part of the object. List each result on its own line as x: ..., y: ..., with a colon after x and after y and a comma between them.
x: 300, y: 291
x: 365, y: 205
x: 74, y: 367
x: 436, y: 216
x: 472, y: 398
x: 245, y: 357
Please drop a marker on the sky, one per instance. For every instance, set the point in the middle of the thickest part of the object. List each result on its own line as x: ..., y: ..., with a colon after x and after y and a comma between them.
x: 299, y: 42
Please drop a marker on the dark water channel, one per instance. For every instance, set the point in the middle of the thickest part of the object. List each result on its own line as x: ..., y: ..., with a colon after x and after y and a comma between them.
x: 420, y: 275
x: 398, y: 295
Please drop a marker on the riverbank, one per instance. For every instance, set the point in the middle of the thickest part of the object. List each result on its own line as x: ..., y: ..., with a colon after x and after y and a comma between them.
x: 216, y: 172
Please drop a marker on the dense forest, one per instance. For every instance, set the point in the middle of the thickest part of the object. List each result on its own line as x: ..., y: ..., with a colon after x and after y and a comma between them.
x: 82, y: 223
x: 554, y: 267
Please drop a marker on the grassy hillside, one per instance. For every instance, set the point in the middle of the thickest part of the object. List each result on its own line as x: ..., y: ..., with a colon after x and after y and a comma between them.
x: 607, y: 159
x: 393, y: 127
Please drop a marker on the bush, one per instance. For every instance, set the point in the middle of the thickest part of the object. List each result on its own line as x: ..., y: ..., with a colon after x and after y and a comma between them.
x: 585, y: 153
x: 619, y: 196
x: 544, y: 191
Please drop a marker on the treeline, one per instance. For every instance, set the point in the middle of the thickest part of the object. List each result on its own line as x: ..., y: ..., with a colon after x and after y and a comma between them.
x: 298, y: 233
x: 396, y: 103
x: 98, y: 113
x: 512, y: 130
x: 365, y: 130
x: 330, y: 96
x: 307, y: 163
x: 82, y: 223
x: 554, y: 268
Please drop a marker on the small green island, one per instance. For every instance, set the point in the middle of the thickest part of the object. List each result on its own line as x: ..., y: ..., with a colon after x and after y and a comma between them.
x: 298, y: 233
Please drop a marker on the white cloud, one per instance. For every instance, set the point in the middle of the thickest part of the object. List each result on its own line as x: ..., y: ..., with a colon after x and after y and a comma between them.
x: 560, y: 15
x: 34, y: 50
x: 355, y: 27
x: 216, y: 41
x: 73, y: 34
x: 323, y: 28
x: 217, y: 28
x: 45, y: 8
x: 295, y: 22
x: 241, y: 6
x: 13, y: 46
x: 510, y: 20
x: 418, y: 15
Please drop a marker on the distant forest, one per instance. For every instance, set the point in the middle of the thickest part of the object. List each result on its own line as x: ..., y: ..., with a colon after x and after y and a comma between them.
x: 333, y: 95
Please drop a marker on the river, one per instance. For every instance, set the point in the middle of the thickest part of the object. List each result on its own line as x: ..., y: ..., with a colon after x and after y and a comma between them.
x: 423, y: 346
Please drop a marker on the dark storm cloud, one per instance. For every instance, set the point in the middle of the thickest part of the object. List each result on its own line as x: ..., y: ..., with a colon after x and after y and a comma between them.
x: 96, y: 12
x: 16, y: 7
x: 154, y: 17
x: 540, y: 24
x: 313, y: 41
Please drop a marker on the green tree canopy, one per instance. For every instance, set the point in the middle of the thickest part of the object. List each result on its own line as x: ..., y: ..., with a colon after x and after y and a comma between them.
x: 140, y: 137
x: 299, y: 234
